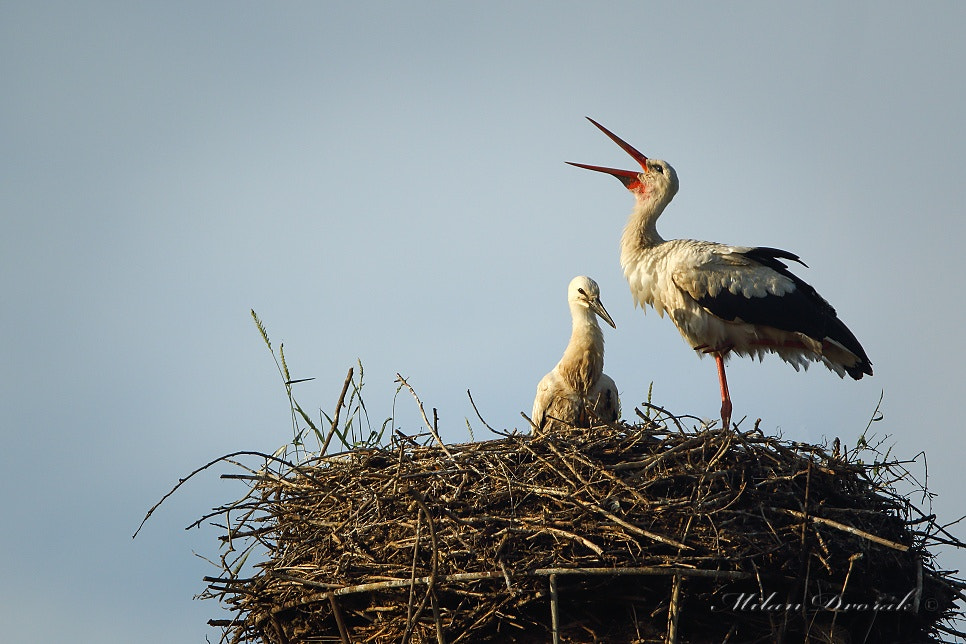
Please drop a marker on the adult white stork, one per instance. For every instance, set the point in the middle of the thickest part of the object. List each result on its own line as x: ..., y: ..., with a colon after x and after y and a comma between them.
x: 725, y: 299
x: 577, y: 392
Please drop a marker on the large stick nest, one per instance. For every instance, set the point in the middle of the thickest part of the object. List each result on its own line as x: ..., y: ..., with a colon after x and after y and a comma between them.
x: 650, y: 533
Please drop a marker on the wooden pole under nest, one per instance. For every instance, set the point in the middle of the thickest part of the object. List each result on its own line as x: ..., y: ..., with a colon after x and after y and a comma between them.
x: 343, y: 631
x: 554, y: 610
x: 674, y: 610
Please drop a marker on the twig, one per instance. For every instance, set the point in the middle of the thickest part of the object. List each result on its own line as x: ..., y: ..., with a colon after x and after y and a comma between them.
x: 299, y: 580
x: 808, y: 487
x: 649, y: 463
x: 533, y: 425
x: 335, y: 416
x: 424, y: 510
x: 675, y: 419
x: 633, y: 528
x: 412, y: 579
x: 205, y: 467
x: 847, y: 528
x: 845, y: 584
x: 401, y: 583
x: 440, y: 634
x: 479, y: 415
x: 569, y: 535
x: 422, y: 411
x: 918, y: 596
x: 539, y: 572
x: 647, y: 571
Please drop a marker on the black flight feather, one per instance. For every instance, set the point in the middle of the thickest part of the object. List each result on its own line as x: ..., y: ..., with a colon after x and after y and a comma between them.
x: 802, y: 310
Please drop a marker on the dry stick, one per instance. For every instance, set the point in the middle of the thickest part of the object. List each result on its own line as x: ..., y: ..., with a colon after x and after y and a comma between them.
x: 674, y: 609
x: 725, y: 446
x: 220, y: 623
x: 480, y: 416
x: 343, y: 631
x: 847, y: 528
x: 645, y: 571
x: 422, y: 411
x: 597, y: 508
x: 918, y: 596
x: 949, y: 631
x: 845, y: 584
x: 279, y: 631
x: 807, y: 563
x: 546, y: 462
x: 601, y: 470
x: 436, y: 425
x: 658, y: 408
x: 537, y: 572
x: 808, y: 485
x: 433, y: 566
x: 537, y: 489
x: 549, y: 444
x: 569, y: 535
x: 633, y: 528
x: 650, y: 462
x: 402, y: 583
x: 205, y: 467
x: 338, y: 408
x: 440, y: 635
x: 533, y: 425
x: 496, y: 574
x: 506, y: 575
x: 284, y: 577
x: 637, y: 624
x: 412, y: 579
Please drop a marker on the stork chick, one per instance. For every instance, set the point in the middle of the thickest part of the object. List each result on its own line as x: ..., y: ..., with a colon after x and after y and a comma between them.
x: 725, y: 299
x: 577, y: 393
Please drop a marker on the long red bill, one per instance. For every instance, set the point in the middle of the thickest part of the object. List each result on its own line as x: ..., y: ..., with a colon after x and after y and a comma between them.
x: 627, y: 147
x: 627, y: 177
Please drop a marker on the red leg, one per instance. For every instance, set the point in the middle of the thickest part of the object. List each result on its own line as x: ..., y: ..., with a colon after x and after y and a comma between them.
x: 725, y: 396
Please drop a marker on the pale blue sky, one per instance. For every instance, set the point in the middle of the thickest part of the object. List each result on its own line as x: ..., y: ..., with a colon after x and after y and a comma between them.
x: 386, y: 181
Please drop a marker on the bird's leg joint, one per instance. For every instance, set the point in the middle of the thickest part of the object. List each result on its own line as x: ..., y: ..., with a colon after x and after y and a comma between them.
x: 720, y: 350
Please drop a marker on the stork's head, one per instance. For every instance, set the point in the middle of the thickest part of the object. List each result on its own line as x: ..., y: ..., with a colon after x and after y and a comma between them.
x: 657, y: 179
x: 583, y: 293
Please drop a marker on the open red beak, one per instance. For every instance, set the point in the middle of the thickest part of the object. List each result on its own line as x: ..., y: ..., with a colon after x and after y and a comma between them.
x: 627, y: 177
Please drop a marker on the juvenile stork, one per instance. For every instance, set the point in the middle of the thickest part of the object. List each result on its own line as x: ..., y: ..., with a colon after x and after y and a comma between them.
x: 725, y: 299
x: 578, y: 392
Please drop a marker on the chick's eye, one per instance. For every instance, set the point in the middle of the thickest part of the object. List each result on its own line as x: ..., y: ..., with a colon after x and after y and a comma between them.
x: 582, y: 291
x: 659, y: 169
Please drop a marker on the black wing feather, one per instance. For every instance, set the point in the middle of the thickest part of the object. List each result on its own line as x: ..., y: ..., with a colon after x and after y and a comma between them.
x: 802, y: 310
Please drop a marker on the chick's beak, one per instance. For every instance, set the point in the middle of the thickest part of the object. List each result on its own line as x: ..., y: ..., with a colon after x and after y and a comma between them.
x: 597, y: 307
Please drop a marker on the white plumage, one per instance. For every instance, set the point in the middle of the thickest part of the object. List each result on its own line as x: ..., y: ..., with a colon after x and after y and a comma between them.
x: 721, y: 298
x: 577, y: 393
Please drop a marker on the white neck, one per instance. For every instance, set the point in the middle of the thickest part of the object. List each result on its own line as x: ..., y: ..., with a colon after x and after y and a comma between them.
x: 583, y: 360
x: 640, y: 233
